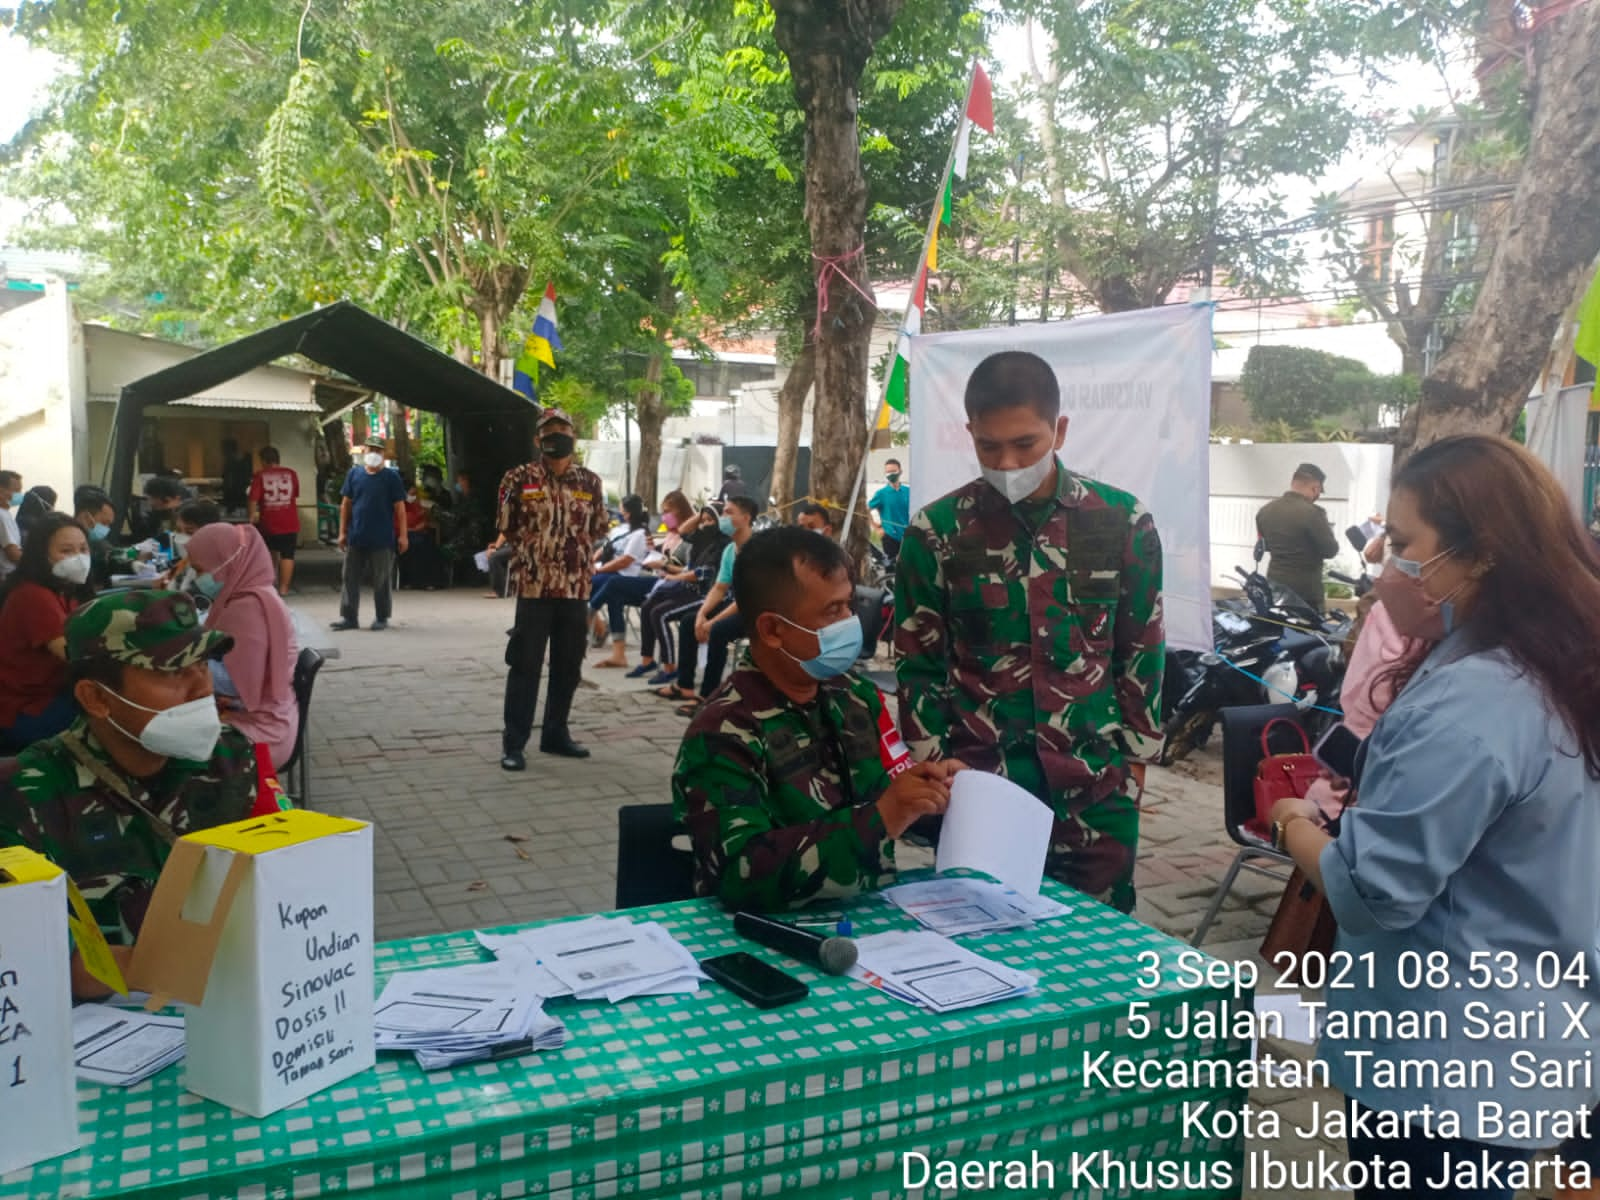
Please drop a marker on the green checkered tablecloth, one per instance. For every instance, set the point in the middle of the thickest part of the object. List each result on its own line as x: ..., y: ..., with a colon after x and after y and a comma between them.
x: 698, y: 1095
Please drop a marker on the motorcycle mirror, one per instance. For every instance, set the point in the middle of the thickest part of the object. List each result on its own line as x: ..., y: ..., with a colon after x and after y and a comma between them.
x: 1261, y: 548
x: 1356, y: 538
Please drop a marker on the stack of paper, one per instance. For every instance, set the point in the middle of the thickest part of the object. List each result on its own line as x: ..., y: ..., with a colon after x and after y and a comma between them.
x: 602, y: 958
x: 929, y: 970
x: 954, y: 905
x: 119, y: 1047
x: 452, y: 1015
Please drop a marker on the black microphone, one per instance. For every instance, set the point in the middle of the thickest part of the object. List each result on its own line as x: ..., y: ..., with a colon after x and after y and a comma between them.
x: 835, y: 955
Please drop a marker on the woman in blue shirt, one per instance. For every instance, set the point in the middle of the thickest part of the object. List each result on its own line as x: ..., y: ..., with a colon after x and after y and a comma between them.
x: 1465, y: 880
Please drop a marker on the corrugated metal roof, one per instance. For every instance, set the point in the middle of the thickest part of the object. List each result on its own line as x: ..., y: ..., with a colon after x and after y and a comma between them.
x: 230, y: 402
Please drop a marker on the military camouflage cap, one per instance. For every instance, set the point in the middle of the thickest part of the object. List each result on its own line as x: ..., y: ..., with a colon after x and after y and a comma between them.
x: 552, y: 416
x: 155, y: 630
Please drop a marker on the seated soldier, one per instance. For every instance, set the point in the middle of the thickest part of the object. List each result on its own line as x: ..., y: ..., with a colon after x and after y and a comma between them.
x: 146, y: 762
x: 792, y: 780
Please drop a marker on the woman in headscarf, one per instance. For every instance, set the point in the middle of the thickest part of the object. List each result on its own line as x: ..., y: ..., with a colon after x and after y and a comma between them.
x: 254, y: 682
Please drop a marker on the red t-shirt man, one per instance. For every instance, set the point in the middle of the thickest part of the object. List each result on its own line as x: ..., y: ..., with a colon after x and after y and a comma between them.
x: 275, y: 491
x: 30, y: 675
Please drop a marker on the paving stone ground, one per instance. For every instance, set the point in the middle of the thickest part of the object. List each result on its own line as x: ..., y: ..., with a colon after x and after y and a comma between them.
x: 405, y: 733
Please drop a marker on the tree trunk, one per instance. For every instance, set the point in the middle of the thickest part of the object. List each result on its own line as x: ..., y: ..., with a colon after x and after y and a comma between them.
x: 402, y: 437
x: 1543, y: 254
x: 791, y: 413
x: 650, y: 414
x: 827, y: 43
x: 489, y: 324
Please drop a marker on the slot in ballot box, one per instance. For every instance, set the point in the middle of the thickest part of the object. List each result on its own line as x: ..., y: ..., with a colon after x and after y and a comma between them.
x: 264, y: 927
x: 38, y: 1086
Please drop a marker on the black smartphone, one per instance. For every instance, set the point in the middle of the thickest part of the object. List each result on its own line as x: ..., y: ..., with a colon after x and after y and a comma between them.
x: 751, y: 979
x: 1337, y: 750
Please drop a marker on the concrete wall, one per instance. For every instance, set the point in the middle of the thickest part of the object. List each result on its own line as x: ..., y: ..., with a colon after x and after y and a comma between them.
x: 1243, y: 478
x: 695, y: 469
x: 42, y: 393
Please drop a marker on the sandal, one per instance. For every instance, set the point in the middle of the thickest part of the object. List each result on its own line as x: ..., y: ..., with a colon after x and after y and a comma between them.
x: 689, y: 709
x: 673, y: 692
x: 611, y: 664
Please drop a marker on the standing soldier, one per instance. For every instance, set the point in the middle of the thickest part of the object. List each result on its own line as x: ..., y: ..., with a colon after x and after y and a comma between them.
x: 1298, y: 536
x: 552, y: 511
x: 1030, y: 633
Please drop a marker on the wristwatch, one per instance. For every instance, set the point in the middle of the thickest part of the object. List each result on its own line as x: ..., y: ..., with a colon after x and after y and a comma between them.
x: 1280, y: 828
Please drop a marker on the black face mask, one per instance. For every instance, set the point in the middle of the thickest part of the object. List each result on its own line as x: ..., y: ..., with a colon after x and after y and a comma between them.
x: 558, y: 445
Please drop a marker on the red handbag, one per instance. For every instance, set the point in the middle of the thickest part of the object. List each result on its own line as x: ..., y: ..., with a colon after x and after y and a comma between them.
x: 1281, y: 775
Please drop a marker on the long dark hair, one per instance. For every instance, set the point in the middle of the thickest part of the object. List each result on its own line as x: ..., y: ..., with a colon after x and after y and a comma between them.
x: 633, y: 508
x: 34, y: 565
x: 1496, y: 505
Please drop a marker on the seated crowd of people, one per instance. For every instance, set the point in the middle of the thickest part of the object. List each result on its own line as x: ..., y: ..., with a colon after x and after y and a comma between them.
x: 66, y: 566
x: 1030, y: 644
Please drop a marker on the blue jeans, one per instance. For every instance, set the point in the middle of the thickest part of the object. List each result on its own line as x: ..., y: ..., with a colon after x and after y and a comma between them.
x: 1426, y: 1157
x: 617, y: 592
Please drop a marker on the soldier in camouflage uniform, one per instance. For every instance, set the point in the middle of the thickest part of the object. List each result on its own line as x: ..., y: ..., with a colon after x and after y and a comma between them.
x: 1030, y: 631
x: 552, y: 512
x: 96, y: 799
x: 792, y: 780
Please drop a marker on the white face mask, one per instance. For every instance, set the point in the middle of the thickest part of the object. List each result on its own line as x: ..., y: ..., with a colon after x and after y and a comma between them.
x: 188, y: 731
x: 373, y: 459
x: 74, y: 568
x: 1021, y: 483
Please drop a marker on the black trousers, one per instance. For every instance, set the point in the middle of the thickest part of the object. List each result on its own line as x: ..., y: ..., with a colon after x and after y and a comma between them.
x: 561, y: 625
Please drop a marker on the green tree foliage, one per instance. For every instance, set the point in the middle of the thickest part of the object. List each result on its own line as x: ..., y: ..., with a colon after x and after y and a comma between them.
x: 1164, y: 124
x: 1310, y: 392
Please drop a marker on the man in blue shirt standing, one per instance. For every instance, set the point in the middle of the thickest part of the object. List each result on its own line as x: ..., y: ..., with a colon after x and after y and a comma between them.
x: 372, y: 525
x: 891, y: 509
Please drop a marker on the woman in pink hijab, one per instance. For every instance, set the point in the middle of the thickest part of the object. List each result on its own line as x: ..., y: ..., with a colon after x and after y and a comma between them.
x: 255, y: 680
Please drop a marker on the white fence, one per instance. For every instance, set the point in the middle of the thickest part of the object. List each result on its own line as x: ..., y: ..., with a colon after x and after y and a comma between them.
x: 1243, y: 478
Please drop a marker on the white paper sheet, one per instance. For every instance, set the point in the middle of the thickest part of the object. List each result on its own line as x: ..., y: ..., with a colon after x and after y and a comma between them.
x: 119, y: 1048
x: 958, y: 905
x: 603, y: 958
x: 993, y: 826
x: 932, y: 972
x: 465, y: 1014
x: 481, y: 560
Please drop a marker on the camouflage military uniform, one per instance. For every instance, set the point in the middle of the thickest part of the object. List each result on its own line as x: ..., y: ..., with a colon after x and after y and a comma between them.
x: 71, y: 801
x: 1031, y: 645
x: 780, y: 799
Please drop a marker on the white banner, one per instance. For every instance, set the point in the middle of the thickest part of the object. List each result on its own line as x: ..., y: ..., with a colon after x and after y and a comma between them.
x: 1137, y: 389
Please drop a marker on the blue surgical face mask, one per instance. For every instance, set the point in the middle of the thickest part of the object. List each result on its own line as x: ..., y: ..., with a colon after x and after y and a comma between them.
x: 99, y: 533
x: 838, y: 647
x: 726, y: 525
x: 208, y: 585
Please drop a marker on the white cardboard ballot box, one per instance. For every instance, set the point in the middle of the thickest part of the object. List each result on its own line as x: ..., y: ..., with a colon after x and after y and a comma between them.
x: 38, y: 1086
x: 265, y: 927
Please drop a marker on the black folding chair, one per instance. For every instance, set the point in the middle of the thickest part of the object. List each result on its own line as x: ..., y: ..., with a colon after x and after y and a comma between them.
x: 305, y: 677
x: 1241, y: 753
x: 650, y: 868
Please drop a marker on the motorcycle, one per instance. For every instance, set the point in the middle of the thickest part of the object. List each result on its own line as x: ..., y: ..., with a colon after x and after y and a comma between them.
x: 1270, y: 647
